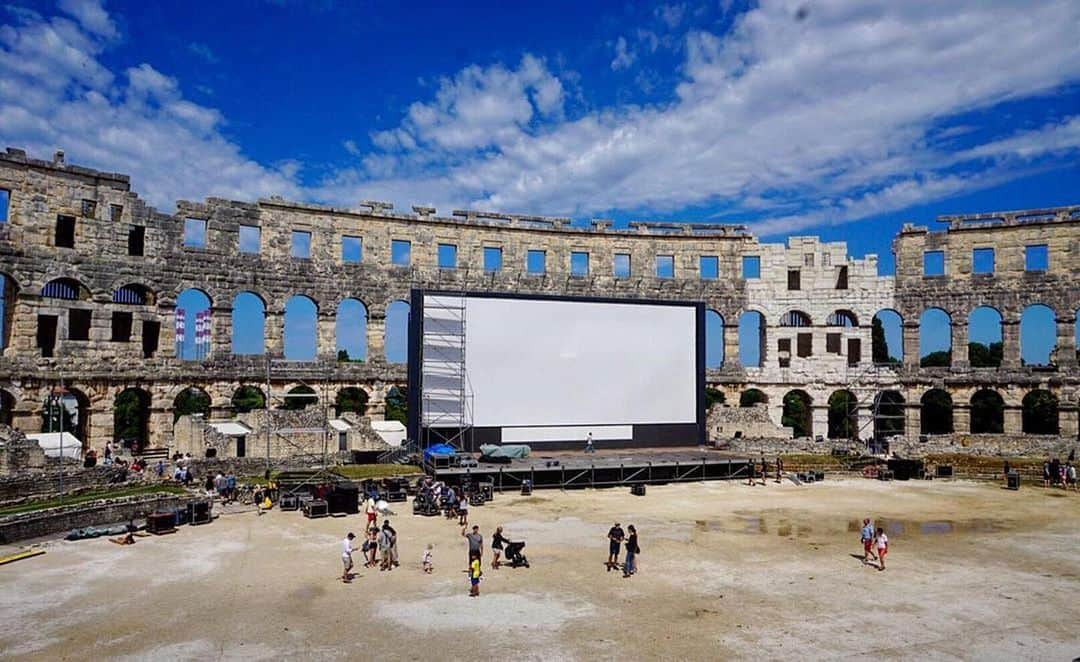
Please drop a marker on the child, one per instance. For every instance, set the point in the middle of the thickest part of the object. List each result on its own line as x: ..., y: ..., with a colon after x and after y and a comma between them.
x: 463, y: 510
x: 882, y: 544
x: 427, y: 560
x: 474, y: 575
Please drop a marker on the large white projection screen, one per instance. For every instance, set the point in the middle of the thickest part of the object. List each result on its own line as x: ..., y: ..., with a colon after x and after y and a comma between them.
x: 563, y: 366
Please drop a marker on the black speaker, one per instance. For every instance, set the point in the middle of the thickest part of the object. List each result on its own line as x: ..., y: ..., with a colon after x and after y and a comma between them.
x: 199, y: 511
x: 819, y: 476
x: 161, y: 523
x: 316, y: 508
x: 289, y: 502
x: 637, y: 490
x: 526, y: 488
x: 1014, y: 480
x: 487, y: 491
x: 344, y: 500
x: 396, y: 496
x: 810, y: 476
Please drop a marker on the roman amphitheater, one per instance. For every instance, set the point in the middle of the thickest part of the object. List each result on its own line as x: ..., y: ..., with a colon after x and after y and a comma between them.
x: 92, y: 278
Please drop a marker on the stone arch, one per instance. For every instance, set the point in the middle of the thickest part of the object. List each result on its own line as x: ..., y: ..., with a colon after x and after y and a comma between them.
x: 984, y: 348
x: 936, y: 412
x: 843, y: 415
x: 396, y: 332
x: 247, y: 398
x: 351, y: 398
x: 248, y: 324
x: 935, y: 338
x: 71, y: 413
x: 397, y: 404
x: 350, y: 330
x: 752, y: 339
x: 1038, y: 335
x: 714, y: 339
x: 844, y: 318
x: 300, y: 397
x: 9, y: 295
x: 1040, y: 412
x: 134, y: 294
x: 131, y: 418
x: 191, y: 400
x: 887, y: 337
x: 301, y: 328
x: 192, y: 303
x: 67, y: 289
x: 752, y: 396
x: 7, y: 407
x: 795, y: 318
x: 987, y: 412
x: 798, y: 413
x: 889, y: 414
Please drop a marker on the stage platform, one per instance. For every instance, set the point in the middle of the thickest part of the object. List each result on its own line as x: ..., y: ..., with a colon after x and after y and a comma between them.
x: 613, y: 468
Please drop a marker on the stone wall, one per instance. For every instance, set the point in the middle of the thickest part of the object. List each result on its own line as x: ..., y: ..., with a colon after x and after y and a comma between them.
x: 14, y: 528
x: 993, y: 445
x: 19, y: 454
x: 46, y: 484
x: 816, y: 336
x: 726, y: 422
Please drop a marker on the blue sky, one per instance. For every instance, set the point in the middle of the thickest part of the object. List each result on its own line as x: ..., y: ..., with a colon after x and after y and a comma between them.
x: 841, y: 118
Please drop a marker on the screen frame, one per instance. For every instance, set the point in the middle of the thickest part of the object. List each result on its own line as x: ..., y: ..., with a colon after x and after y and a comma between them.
x: 416, y: 316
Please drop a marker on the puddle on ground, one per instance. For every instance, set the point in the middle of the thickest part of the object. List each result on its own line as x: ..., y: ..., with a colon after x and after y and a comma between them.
x: 784, y: 528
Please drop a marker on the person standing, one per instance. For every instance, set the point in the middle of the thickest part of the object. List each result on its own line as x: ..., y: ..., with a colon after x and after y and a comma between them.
x: 426, y: 563
x: 779, y: 469
x: 385, y: 543
x: 393, y: 543
x: 497, y: 542
x: 1070, y: 476
x: 369, y: 510
x: 475, y: 540
x: 615, y: 540
x: 346, y: 557
x: 589, y: 444
x: 881, y: 542
x: 632, y: 550
x: 867, y: 539
x: 463, y: 509
x: 474, y: 575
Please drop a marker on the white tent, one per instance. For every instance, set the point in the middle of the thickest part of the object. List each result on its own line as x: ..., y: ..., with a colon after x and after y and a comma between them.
x: 392, y: 432
x: 50, y: 443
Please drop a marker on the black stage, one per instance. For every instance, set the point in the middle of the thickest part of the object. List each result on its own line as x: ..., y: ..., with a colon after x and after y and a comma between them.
x: 601, y: 469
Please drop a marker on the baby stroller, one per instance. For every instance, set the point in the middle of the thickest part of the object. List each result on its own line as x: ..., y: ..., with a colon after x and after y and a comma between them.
x: 514, y: 557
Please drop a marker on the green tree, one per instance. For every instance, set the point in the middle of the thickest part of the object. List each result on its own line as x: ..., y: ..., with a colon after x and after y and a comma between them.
x: 987, y: 413
x: 1040, y: 413
x: 751, y: 397
x: 797, y: 413
x: 939, y: 359
x: 936, y: 416
x: 879, y: 345
x: 343, y: 356
x: 842, y: 411
x: 247, y: 398
x: 191, y: 401
x: 984, y: 356
x: 351, y: 399
x: 713, y: 397
x: 296, y: 404
x: 129, y: 416
x: 397, y: 407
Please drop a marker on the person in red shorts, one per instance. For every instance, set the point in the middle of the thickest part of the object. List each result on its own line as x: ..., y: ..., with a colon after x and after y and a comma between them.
x: 881, y: 542
x: 867, y: 539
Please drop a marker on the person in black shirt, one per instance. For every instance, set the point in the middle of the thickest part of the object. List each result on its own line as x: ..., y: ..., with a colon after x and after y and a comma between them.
x: 615, y: 538
x: 632, y: 550
x: 497, y: 541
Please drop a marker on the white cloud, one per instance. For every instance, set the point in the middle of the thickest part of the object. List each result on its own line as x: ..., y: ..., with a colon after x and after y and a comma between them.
x: 203, y: 51
x: 624, y: 57
x: 671, y: 15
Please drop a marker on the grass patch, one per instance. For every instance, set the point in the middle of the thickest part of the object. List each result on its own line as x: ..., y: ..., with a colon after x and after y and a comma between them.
x: 365, y: 471
x: 85, y: 497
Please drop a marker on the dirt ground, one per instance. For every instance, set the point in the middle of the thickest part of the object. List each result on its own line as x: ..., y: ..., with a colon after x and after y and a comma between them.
x: 726, y: 571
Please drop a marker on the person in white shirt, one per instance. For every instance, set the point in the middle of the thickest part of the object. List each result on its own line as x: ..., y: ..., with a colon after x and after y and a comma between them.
x: 346, y: 557
x: 428, y: 568
x: 881, y: 542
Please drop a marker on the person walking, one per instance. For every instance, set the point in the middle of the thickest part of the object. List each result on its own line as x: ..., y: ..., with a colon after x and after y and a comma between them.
x: 497, y: 542
x: 866, y: 537
x: 475, y: 540
x: 385, y: 542
x: 1070, y: 476
x: 632, y: 550
x: 881, y: 542
x: 369, y: 510
x: 371, y: 547
x: 463, y: 509
x: 589, y: 448
x: 616, y: 536
x: 779, y: 469
x: 346, y: 557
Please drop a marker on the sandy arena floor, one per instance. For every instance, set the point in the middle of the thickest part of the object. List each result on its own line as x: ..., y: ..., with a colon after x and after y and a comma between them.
x: 727, y: 571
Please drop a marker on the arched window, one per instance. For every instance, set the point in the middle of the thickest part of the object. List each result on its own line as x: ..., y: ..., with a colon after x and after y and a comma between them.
x: 984, y: 338
x: 888, y: 414
x: 936, y: 415
x: 192, y: 400
x: 798, y: 413
x: 134, y: 294
x: 131, y: 418
x: 351, y: 399
x: 248, y: 398
x: 192, y: 325
x: 751, y: 397
x: 1038, y: 335
x: 842, y: 318
x: 935, y: 339
x: 987, y: 412
x: 396, y: 340
x: 248, y: 324
x: 714, y: 339
x: 887, y: 338
x: 301, y: 334
x: 843, y: 415
x: 1040, y: 413
x: 350, y: 330
x: 65, y: 288
x: 751, y: 339
x: 795, y: 318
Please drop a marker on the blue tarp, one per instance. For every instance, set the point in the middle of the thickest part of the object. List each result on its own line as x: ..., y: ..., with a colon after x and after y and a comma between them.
x: 438, y: 449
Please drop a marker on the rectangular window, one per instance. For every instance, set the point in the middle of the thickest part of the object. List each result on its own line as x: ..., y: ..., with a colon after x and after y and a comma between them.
x: 194, y: 233
x: 250, y: 239
x: 579, y: 263
x: 79, y: 324
x: 121, y: 327
x: 832, y: 343
x: 89, y: 208
x: 352, y: 249
x: 400, y: 252
x: 854, y: 351
x: 709, y: 266
x: 116, y: 212
x: 65, y: 232
x: 620, y: 265
x: 151, y: 331
x: 46, y: 334
x: 1036, y: 258
x: 794, y: 279
x: 5, y: 203
x: 933, y: 263
x: 804, y: 344
x: 783, y: 346
x: 808, y: 259
x: 136, y: 240
x: 447, y: 256
x: 826, y: 259
x: 535, y: 262
x: 982, y: 261
x: 492, y: 259
x: 665, y: 266
x: 301, y: 244
x: 751, y: 267
x: 841, y: 278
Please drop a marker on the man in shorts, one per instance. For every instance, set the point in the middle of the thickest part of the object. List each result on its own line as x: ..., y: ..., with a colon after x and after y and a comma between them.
x: 867, y: 539
x: 476, y: 542
x: 615, y: 539
x: 346, y: 557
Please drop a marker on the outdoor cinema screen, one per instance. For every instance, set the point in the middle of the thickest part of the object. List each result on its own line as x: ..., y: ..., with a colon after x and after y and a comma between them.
x: 550, y: 371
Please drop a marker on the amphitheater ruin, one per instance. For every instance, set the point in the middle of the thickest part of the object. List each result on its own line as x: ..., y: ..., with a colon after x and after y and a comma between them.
x: 93, y: 279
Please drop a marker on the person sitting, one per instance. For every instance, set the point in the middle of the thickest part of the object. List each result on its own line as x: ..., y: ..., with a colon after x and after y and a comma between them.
x: 128, y: 539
